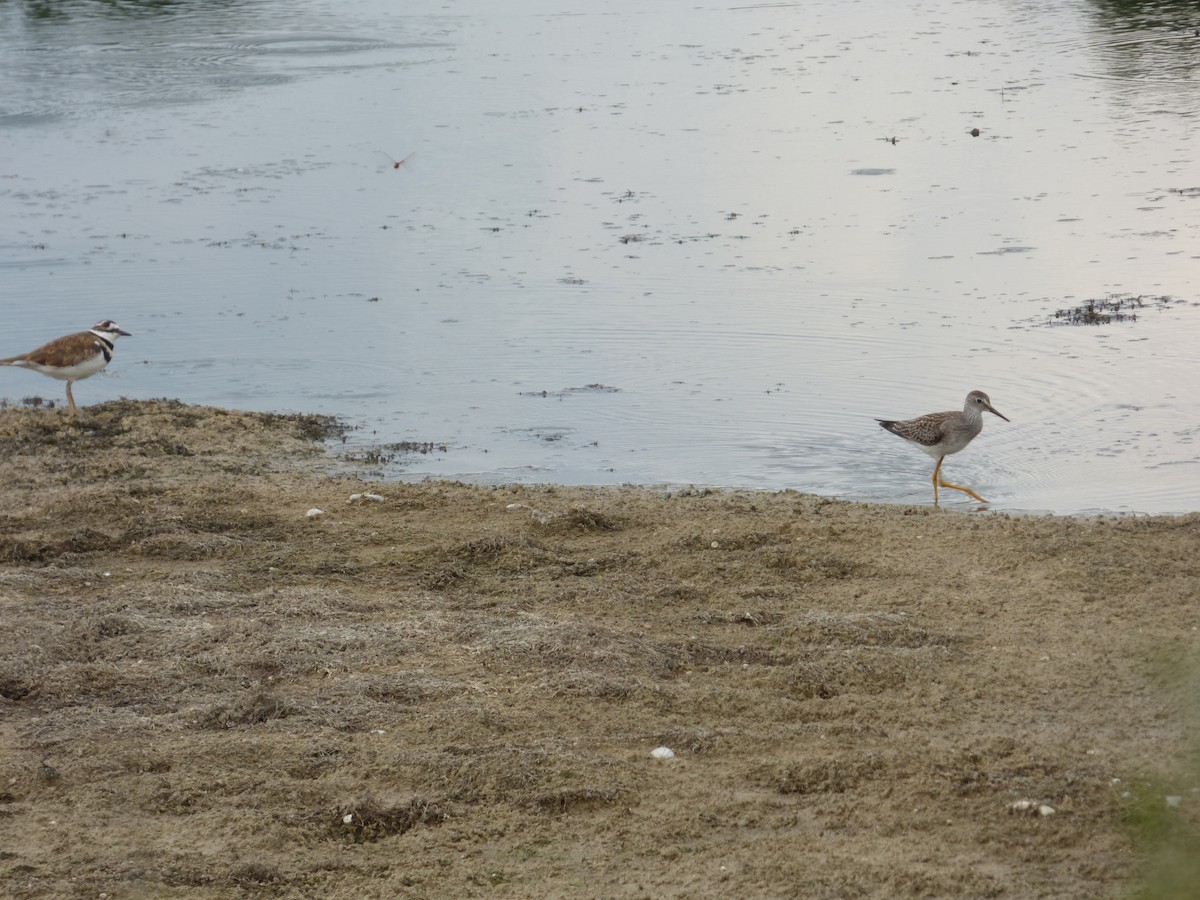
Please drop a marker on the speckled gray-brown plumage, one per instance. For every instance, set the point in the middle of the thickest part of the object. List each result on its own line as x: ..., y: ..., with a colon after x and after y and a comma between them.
x: 942, y: 433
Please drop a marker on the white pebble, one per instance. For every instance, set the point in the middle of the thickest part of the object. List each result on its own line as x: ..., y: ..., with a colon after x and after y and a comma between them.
x: 716, y: 545
x: 375, y: 498
x: 314, y: 512
x: 348, y: 818
x: 1174, y: 801
x: 662, y: 753
x: 1031, y: 807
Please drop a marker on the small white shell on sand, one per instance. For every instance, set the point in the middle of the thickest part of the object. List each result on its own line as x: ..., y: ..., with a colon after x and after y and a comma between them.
x: 348, y: 819
x: 1031, y: 808
x: 538, y: 516
x: 662, y: 753
x: 314, y: 512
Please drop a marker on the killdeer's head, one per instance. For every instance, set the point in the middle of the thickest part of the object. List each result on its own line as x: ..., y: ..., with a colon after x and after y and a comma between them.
x: 108, y: 329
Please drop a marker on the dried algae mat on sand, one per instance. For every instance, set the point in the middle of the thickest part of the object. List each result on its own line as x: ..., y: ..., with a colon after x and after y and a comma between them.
x: 454, y: 690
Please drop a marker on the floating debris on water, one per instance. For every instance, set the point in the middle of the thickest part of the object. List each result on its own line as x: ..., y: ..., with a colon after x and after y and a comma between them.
x: 385, y: 454
x: 586, y: 389
x: 1113, y: 308
x: 422, y: 447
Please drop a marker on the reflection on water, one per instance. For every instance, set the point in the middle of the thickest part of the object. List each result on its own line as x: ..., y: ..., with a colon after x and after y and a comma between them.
x: 77, y: 58
x: 1144, y: 15
x: 648, y: 244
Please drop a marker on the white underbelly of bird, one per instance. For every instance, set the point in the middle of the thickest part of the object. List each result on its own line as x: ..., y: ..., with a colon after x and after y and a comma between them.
x: 84, y: 369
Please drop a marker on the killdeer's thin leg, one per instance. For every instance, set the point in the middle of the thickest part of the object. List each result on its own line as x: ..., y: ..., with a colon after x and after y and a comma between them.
x: 71, y: 407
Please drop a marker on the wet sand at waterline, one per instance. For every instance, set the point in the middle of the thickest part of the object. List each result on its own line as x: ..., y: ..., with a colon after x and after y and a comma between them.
x: 446, y: 690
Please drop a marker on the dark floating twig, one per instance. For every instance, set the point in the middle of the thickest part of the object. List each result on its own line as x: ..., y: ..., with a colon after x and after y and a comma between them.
x: 586, y: 389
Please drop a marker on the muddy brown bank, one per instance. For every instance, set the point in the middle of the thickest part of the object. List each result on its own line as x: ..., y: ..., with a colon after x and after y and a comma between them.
x: 455, y: 691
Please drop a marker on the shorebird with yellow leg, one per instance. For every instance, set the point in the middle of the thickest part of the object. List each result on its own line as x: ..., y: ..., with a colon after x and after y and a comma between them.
x: 942, y: 433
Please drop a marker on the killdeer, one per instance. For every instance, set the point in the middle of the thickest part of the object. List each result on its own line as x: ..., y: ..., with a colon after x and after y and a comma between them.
x: 72, y: 357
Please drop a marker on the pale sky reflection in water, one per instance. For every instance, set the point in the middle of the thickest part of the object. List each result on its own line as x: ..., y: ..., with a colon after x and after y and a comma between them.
x: 695, y: 206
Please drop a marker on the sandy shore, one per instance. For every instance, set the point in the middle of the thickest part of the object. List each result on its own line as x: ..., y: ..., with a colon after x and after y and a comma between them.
x: 455, y: 691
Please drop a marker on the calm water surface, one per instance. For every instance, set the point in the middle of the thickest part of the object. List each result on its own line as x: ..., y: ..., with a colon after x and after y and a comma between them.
x: 669, y: 244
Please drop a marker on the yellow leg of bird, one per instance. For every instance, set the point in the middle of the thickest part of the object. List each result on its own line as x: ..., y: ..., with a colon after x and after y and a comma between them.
x: 936, y: 470
x: 965, y: 490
